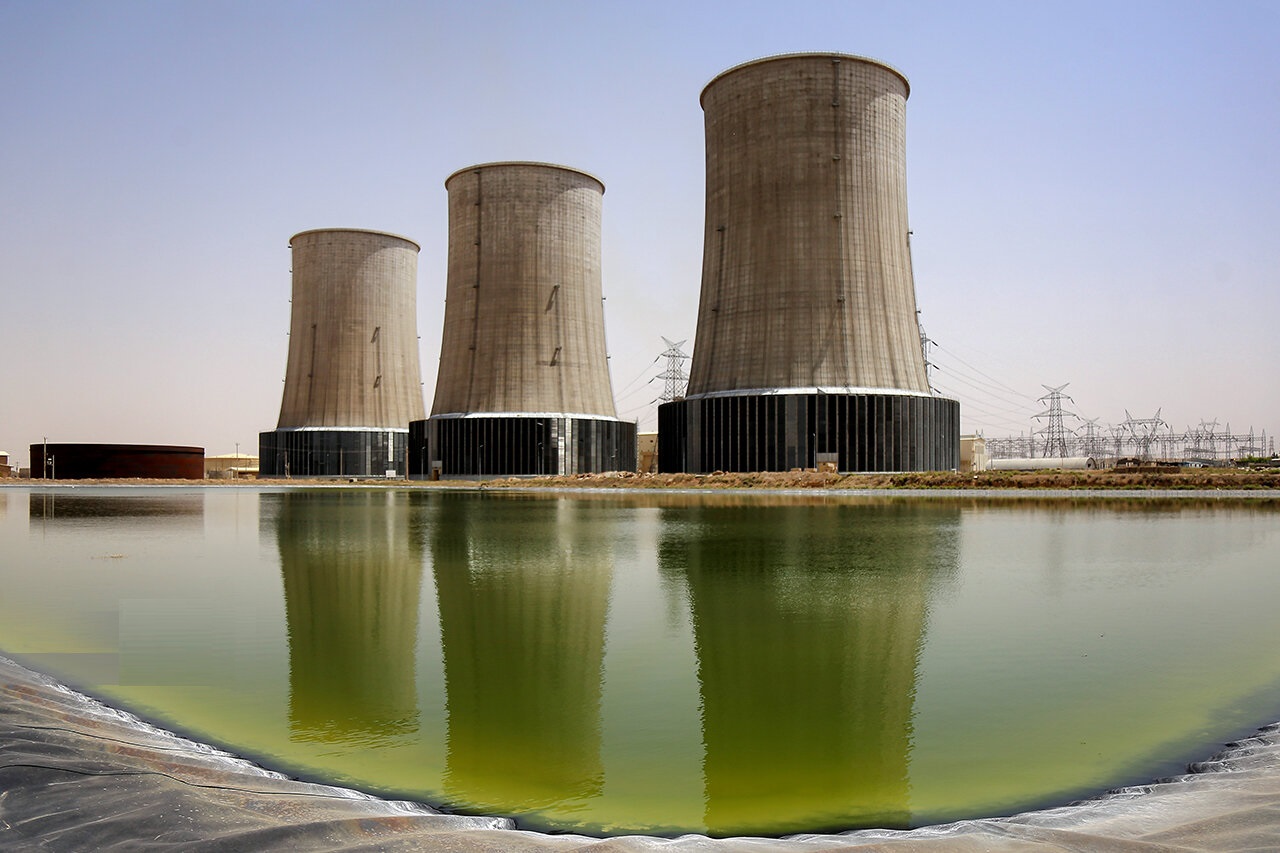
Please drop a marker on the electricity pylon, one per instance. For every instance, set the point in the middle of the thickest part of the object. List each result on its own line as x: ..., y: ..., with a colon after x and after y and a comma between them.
x: 1055, y: 432
x: 676, y: 380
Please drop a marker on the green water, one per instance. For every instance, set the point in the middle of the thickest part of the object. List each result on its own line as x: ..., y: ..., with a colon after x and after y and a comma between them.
x: 727, y: 664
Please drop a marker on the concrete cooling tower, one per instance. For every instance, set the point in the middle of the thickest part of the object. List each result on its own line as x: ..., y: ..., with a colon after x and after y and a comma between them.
x: 523, y: 387
x: 353, y: 382
x: 808, y: 350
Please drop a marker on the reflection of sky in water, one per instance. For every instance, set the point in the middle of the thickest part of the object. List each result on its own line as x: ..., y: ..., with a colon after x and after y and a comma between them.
x: 1133, y: 628
x: 662, y: 662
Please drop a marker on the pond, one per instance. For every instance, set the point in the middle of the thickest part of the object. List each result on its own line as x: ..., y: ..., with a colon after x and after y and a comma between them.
x: 614, y: 663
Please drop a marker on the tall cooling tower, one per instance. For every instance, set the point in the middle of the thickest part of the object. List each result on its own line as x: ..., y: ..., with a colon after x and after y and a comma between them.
x: 808, y: 350
x: 523, y: 387
x: 353, y: 381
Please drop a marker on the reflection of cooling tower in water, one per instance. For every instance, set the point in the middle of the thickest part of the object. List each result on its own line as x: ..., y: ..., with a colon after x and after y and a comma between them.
x: 352, y: 573
x: 523, y: 594
x: 808, y: 348
x: 807, y: 644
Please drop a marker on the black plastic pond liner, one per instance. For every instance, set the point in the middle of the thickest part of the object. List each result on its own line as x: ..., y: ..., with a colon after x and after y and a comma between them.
x: 76, y: 775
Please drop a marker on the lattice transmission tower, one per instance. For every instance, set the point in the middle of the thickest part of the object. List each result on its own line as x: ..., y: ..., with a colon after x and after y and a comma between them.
x: 926, y: 346
x: 1117, y: 436
x: 1093, y: 442
x: 675, y: 378
x: 1055, y: 431
x: 1143, y: 431
x: 1253, y: 447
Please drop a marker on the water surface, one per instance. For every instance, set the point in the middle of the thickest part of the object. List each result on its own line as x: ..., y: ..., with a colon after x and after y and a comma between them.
x: 617, y: 663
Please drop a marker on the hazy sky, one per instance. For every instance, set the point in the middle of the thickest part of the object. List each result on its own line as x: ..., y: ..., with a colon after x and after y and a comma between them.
x: 1094, y: 189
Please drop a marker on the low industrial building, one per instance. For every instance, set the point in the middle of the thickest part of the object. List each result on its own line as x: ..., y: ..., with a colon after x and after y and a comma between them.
x: 231, y: 466
x: 973, y: 454
x: 647, y: 451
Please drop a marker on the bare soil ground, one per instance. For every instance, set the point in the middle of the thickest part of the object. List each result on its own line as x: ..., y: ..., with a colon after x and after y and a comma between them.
x: 1203, y: 478
x: 1186, y: 479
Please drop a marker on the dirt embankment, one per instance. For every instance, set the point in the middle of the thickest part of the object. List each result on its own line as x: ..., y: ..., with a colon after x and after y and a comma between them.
x: 1190, y: 478
x: 1202, y: 478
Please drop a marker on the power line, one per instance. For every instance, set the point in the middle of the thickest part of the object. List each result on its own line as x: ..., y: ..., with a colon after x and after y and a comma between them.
x: 993, y: 417
x: 639, y: 389
x: 980, y: 373
x: 1024, y: 411
x: 639, y: 375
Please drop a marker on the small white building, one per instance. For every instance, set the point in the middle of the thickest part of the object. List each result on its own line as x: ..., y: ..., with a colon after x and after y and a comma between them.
x: 973, y: 453
x: 647, y: 452
x: 231, y: 466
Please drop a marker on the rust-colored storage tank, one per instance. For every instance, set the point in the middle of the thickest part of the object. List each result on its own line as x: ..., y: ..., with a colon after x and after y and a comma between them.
x: 353, y: 381
x: 808, y: 350
x: 523, y: 386
x: 67, y: 461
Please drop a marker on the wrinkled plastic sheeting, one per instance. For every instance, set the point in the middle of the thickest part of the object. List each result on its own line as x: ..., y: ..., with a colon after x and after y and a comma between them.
x: 77, y: 775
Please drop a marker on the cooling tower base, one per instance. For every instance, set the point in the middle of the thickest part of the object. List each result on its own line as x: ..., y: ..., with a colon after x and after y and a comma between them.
x: 519, y: 445
x: 780, y: 432
x: 319, y: 452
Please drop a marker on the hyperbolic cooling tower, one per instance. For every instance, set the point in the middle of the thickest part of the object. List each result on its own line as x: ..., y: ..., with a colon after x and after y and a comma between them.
x: 353, y: 383
x: 524, y: 382
x: 808, y: 348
